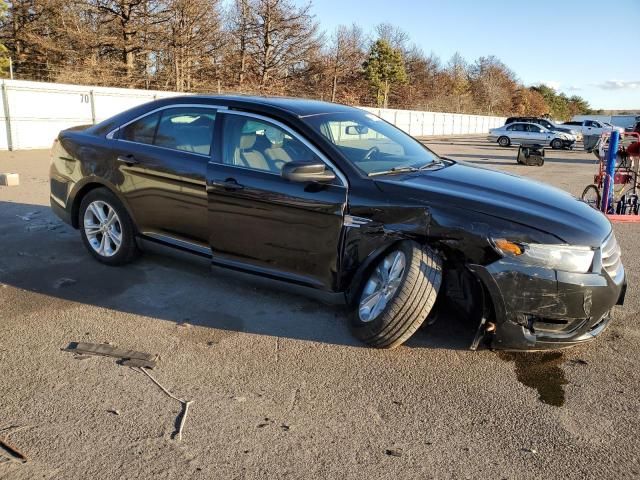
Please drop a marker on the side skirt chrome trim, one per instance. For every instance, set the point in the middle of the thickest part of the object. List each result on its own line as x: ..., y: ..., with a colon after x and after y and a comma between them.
x: 178, y: 243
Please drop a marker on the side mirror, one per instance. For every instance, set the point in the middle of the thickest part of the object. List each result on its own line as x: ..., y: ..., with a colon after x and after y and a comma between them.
x: 307, y: 172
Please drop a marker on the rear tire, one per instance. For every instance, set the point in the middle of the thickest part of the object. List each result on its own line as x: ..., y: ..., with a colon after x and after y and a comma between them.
x: 504, y: 141
x: 106, y: 228
x: 407, y: 307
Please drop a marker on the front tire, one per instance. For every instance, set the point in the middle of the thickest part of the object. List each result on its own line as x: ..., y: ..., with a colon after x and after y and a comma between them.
x: 106, y: 228
x: 397, y: 295
x: 504, y: 141
x: 556, y: 144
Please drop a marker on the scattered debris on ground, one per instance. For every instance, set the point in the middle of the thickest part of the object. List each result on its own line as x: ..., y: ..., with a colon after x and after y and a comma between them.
x: 129, y: 358
x: 9, y: 453
x: 579, y: 361
x: 185, y: 404
x: 138, y: 361
x: 27, y: 217
x: 393, y: 453
x: 9, y: 179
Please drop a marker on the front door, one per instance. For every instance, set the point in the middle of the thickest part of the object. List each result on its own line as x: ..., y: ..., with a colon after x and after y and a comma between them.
x: 163, y: 160
x: 537, y: 134
x: 263, y: 223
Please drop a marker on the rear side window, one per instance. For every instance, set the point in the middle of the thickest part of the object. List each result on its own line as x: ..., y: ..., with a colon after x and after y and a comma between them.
x: 142, y: 130
x: 188, y: 129
x: 534, y: 128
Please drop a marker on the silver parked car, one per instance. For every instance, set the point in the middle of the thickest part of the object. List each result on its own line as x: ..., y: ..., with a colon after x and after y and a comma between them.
x: 529, y: 133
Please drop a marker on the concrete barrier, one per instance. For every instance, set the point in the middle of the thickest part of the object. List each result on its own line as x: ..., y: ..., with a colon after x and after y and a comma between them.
x: 33, y: 113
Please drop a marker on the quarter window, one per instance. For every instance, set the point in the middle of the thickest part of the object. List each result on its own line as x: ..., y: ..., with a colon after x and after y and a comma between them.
x: 141, y: 131
x: 259, y: 145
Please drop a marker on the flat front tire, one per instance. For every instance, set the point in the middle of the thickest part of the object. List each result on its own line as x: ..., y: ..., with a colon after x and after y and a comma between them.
x: 106, y: 228
x: 397, y: 295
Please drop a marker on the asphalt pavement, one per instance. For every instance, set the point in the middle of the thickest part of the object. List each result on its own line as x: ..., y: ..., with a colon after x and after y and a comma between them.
x: 280, y: 388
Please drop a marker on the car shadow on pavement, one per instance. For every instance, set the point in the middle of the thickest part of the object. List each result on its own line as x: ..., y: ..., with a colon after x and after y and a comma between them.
x: 46, y: 259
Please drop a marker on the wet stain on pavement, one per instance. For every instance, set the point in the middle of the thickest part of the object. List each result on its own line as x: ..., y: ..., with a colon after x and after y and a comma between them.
x: 542, y: 371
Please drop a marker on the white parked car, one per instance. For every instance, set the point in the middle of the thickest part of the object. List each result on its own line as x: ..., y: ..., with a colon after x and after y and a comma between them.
x: 519, y: 133
x: 592, y: 127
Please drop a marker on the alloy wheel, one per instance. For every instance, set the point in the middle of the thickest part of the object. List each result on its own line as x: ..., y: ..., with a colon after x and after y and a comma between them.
x: 103, y: 228
x: 381, y: 286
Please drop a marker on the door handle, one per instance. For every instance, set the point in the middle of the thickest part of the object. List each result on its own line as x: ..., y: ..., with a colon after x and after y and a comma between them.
x: 230, y: 185
x: 129, y: 160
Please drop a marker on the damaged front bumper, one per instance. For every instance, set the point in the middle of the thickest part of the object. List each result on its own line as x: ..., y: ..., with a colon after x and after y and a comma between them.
x: 536, y: 308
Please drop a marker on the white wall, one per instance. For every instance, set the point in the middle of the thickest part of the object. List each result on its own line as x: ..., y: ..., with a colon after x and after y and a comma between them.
x: 33, y: 113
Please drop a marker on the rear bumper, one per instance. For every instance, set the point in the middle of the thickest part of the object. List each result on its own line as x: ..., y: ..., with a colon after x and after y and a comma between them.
x: 540, y: 309
x: 60, y: 210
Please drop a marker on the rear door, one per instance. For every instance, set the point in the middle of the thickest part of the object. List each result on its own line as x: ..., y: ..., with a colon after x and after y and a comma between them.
x: 260, y: 221
x: 519, y: 133
x: 162, y: 158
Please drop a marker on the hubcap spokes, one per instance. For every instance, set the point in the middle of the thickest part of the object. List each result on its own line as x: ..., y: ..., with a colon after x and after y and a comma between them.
x: 381, y: 286
x: 103, y: 228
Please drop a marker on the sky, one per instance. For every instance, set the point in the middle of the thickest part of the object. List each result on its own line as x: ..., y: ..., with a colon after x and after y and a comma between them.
x: 580, y: 47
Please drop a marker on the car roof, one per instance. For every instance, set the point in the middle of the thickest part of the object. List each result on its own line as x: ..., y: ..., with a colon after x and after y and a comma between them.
x: 299, y: 107
x: 523, y: 123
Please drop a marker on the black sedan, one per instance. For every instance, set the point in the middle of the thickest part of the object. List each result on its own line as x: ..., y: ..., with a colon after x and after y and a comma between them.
x: 334, y: 198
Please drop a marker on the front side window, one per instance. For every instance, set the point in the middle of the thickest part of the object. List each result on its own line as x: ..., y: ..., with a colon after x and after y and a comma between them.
x: 261, y: 145
x: 188, y: 129
x: 371, y: 144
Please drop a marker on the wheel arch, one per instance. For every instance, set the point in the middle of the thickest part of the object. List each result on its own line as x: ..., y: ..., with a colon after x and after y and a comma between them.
x: 81, y: 191
x: 356, y: 282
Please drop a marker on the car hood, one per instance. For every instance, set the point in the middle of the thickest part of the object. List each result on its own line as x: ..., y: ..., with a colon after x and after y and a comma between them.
x: 505, y: 196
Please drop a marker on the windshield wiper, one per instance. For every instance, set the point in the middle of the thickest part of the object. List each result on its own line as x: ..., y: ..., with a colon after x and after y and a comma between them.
x: 394, y: 170
x: 435, y: 163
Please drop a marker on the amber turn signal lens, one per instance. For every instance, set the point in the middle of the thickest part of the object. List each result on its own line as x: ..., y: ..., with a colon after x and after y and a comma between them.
x: 508, y: 247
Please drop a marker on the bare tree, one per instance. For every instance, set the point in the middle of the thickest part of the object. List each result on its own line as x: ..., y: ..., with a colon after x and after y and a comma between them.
x: 493, y: 84
x: 285, y: 37
x: 346, y: 55
x: 194, y: 36
x: 125, y: 22
x: 393, y: 35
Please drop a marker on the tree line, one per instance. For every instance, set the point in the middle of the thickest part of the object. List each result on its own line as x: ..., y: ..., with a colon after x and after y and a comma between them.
x: 272, y: 47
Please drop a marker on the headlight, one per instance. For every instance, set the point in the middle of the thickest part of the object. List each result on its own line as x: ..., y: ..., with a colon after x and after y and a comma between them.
x: 567, y: 258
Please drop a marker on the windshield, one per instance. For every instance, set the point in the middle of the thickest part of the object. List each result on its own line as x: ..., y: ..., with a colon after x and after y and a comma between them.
x: 371, y: 144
